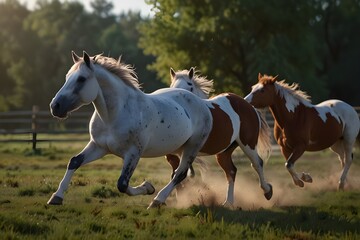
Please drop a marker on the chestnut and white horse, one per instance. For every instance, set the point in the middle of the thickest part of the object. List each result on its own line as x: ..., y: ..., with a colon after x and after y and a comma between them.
x: 301, y: 126
x: 234, y: 119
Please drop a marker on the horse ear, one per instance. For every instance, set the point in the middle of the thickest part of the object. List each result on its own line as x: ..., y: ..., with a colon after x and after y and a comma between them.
x: 274, y: 79
x: 75, y: 57
x: 172, y: 73
x: 259, y: 76
x: 86, y: 58
x: 191, y: 73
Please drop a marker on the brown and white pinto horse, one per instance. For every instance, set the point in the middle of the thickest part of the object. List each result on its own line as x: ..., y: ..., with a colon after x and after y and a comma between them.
x: 300, y: 126
x: 235, y: 123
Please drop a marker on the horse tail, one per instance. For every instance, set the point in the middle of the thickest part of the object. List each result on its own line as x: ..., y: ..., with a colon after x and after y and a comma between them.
x: 264, y: 140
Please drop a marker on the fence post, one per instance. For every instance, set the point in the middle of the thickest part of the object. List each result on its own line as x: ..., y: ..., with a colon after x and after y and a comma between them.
x: 35, y: 110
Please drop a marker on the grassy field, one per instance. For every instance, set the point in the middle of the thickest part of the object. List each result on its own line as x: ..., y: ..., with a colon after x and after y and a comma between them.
x: 94, y: 209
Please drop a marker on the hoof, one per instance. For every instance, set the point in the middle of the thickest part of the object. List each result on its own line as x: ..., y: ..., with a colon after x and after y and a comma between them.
x: 228, y: 204
x: 55, y: 200
x: 299, y: 183
x: 149, y: 187
x: 306, y: 178
x: 341, y: 186
x: 269, y: 194
x: 156, y: 204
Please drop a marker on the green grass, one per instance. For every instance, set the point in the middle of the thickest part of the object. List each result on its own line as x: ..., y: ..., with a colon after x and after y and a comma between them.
x: 94, y: 209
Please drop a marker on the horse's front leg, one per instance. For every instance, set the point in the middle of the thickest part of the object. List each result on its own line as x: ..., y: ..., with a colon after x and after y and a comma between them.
x: 130, y: 162
x: 90, y: 153
x: 294, y: 155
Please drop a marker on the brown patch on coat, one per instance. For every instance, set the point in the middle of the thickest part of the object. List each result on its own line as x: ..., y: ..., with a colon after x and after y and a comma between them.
x: 306, y: 128
x: 221, y: 132
x: 249, y: 126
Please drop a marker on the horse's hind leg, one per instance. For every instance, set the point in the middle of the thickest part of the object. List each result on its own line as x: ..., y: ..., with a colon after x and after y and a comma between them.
x: 257, y: 164
x: 338, y: 148
x: 174, y: 160
x: 348, y: 157
x: 226, y: 163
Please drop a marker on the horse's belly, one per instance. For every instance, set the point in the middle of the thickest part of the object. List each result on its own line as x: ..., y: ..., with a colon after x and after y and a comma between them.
x: 321, y: 140
x: 166, y: 141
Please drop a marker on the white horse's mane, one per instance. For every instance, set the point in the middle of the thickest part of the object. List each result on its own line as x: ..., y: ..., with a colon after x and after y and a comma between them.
x: 200, y: 82
x: 124, y: 71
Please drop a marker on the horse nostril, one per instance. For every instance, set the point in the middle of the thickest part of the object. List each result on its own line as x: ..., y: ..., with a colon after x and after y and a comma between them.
x: 57, y: 106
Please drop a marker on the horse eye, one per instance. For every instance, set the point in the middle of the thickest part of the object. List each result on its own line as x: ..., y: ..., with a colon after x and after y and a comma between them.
x: 81, y: 79
x: 189, y: 83
x: 262, y: 90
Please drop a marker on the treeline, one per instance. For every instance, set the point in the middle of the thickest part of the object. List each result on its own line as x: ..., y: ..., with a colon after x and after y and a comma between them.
x: 35, y: 47
x: 313, y: 42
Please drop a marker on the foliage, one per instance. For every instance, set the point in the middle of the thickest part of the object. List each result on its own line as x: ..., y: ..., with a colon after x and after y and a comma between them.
x: 311, y: 42
x: 36, y: 45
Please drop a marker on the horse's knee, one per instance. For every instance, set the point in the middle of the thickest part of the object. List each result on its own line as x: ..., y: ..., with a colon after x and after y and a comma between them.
x: 75, y: 162
x: 122, y: 184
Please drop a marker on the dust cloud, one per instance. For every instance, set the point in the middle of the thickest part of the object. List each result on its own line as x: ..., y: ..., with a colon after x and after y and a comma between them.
x: 210, y: 187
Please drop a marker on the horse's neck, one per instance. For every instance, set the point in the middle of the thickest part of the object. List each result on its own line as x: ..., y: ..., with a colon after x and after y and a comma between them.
x: 200, y: 93
x: 114, y: 94
x: 281, y: 113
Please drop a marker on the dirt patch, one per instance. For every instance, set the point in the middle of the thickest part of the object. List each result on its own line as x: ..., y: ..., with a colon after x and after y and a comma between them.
x: 211, y: 187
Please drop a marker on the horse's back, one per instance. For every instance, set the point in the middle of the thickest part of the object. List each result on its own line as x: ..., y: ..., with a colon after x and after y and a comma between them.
x: 347, y: 115
x: 234, y: 118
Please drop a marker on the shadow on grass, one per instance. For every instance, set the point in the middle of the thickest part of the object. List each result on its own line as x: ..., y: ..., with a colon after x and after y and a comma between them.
x: 284, y: 218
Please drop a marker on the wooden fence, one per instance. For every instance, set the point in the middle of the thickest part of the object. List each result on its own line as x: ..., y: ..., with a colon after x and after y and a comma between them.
x: 39, y: 126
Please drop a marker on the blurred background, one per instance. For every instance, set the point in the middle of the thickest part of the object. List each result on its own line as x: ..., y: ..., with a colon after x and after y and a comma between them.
x: 312, y: 42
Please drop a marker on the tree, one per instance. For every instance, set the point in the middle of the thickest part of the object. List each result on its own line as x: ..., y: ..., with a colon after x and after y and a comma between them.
x: 232, y: 41
x: 12, y: 48
x: 36, y: 46
x: 120, y: 39
x: 337, y: 30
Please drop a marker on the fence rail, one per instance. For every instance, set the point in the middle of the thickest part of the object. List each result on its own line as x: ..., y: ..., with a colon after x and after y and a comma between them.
x: 28, y: 125
x: 39, y: 126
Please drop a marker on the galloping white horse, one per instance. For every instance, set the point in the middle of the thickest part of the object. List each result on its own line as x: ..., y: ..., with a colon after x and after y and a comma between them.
x: 129, y: 123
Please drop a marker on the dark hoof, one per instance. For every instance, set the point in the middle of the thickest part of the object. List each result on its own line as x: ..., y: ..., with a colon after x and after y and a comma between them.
x: 306, y: 178
x: 156, y: 204
x: 269, y: 194
x: 149, y: 187
x: 55, y: 200
x: 341, y: 186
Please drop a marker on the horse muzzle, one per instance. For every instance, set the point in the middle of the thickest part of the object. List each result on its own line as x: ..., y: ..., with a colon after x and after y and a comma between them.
x: 59, y: 107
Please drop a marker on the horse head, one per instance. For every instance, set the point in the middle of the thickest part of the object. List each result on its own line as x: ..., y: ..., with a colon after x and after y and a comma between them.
x: 190, y: 81
x: 263, y: 93
x: 80, y: 87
